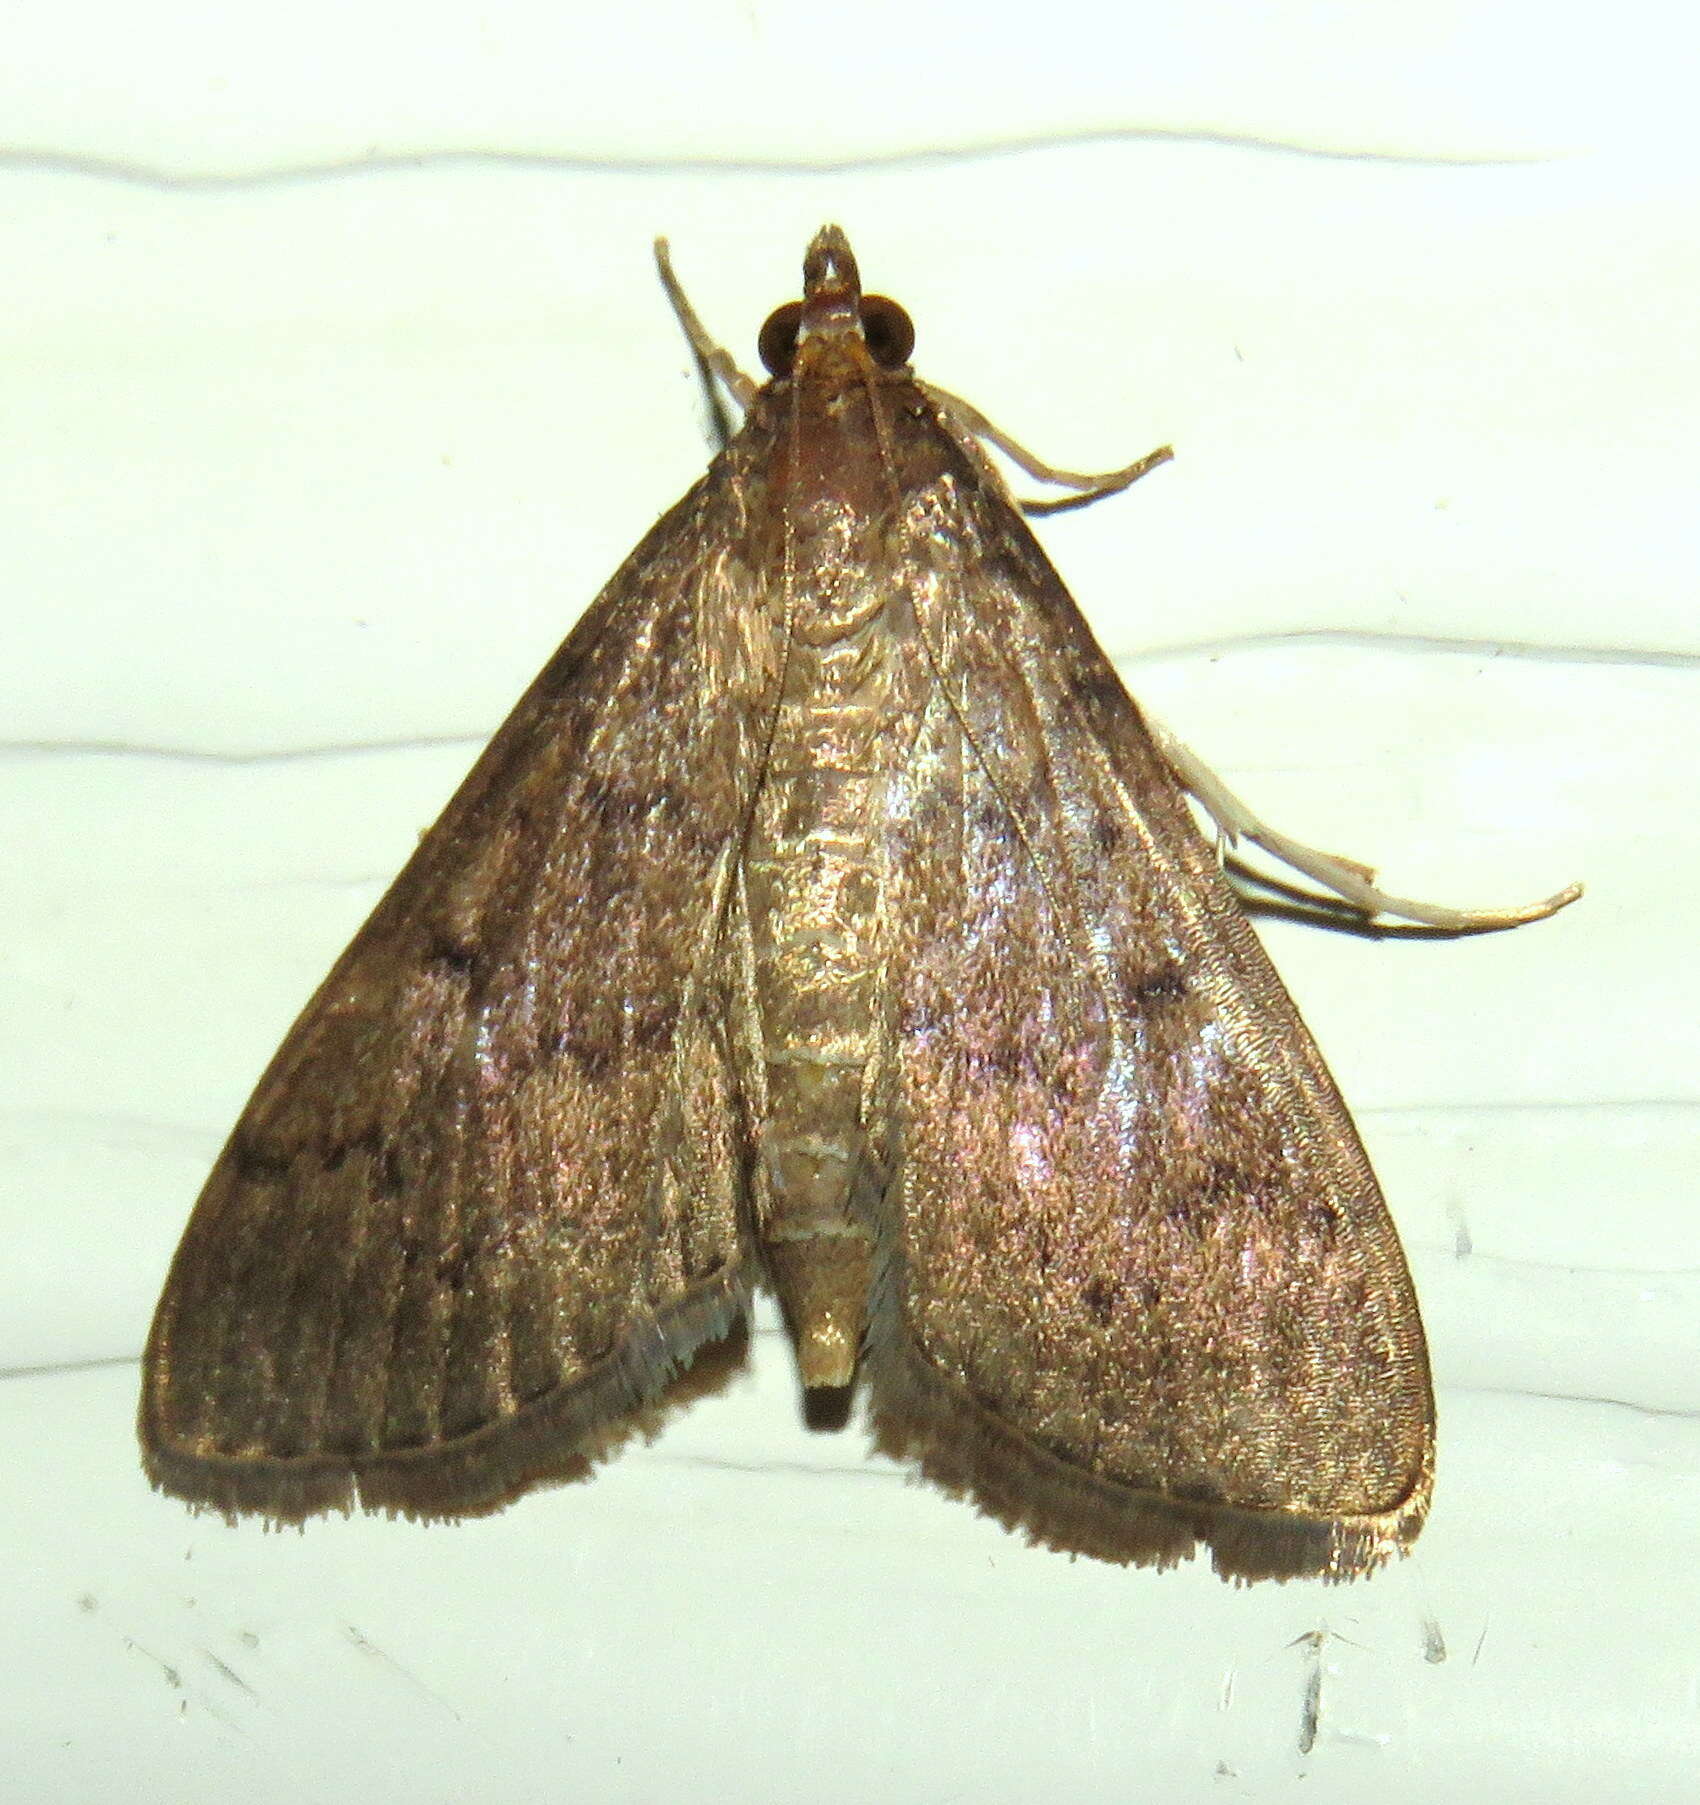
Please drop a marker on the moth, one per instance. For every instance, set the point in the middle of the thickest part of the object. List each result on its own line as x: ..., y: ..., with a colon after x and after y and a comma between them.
x: 826, y: 917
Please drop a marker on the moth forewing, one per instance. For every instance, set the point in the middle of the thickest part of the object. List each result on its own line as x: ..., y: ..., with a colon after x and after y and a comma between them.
x: 491, y: 1191
x: 824, y: 916
x: 1141, y: 1288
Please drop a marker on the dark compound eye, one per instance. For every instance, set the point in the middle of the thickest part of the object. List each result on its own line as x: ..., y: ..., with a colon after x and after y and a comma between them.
x: 889, y: 331
x: 777, y: 346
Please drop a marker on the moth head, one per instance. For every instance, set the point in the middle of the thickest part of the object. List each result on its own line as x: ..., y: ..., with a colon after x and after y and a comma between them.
x: 834, y: 314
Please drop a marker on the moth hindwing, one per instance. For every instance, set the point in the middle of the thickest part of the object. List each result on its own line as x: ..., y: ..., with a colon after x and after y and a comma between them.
x: 825, y: 916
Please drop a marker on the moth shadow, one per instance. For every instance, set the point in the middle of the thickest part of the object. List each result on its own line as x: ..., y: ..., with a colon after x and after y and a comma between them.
x: 711, y: 1368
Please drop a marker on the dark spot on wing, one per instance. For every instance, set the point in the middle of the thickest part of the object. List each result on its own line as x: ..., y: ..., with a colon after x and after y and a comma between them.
x: 336, y: 1154
x: 597, y: 1048
x: 1321, y: 1222
x: 1221, y: 1189
x: 452, y: 953
x: 1002, y: 1059
x: 258, y: 1164
x: 592, y: 1056
x: 1226, y: 1186
x: 612, y: 804
x: 1156, y: 988
x: 1096, y: 686
x: 392, y: 1175
x: 1044, y: 1254
x: 1100, y: 1295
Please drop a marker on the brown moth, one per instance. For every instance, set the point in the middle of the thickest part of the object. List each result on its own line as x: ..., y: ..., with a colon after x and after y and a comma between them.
x: 825, y: 917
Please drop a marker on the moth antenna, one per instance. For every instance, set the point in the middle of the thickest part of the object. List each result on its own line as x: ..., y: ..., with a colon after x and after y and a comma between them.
x: 716, y: 361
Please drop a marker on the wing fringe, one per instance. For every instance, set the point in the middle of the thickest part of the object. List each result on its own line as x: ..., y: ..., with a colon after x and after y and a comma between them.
x: 683, y: 1352
x: 922, y: 1415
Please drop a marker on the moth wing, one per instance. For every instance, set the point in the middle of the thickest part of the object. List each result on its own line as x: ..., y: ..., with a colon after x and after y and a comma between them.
x: 1139, y: 1288
x: 490, y: 1192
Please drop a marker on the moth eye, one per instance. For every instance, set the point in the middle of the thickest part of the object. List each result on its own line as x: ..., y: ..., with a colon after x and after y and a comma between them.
x: 777, y: 346
x: 889, y: 331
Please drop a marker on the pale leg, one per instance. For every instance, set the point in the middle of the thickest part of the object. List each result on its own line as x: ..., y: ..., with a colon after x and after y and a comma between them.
x: 1346, y: 877
x: 973, y: 424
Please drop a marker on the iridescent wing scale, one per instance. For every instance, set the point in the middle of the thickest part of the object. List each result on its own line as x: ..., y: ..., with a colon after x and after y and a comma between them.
x: 1139, y: 1286
x: 491, y: 1191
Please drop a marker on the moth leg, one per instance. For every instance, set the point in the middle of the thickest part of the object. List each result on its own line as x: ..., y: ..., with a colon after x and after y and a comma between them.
x: 714, y: 358
x: 1346, y: 877
x: 974, y: 424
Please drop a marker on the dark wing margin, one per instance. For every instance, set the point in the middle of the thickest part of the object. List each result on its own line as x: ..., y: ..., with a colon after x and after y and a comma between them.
x: 490, y: 1193
x: 1138, y: 1286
